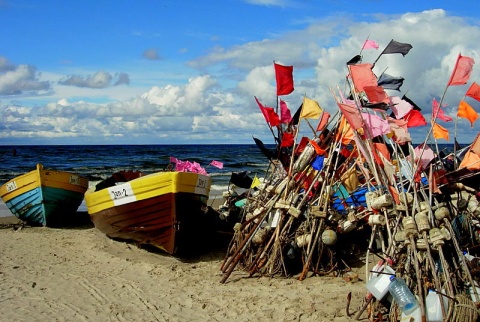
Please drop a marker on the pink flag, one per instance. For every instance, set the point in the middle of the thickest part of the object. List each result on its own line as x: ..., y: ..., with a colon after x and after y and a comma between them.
x: 370, y: 44
x: 323, y: 121
x: 375, y: 125
x: 285, y: 115
x: 399, y: 107
x: 424, y: 154
x: 352, y: 115
x: 217, y: 164
x: 173, y: 160
x: 437, y: 112
x: 461, y: 71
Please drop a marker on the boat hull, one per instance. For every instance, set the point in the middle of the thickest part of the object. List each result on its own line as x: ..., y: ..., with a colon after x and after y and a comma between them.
x: 45, y: 197
x: 166, y: 210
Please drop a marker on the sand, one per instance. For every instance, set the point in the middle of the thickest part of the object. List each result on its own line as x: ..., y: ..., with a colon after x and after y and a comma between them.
x: 79, y: 274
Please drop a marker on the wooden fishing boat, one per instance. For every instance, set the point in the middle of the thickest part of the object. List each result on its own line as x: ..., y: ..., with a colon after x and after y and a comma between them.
x: 44, y: 197
x: 165, y: 209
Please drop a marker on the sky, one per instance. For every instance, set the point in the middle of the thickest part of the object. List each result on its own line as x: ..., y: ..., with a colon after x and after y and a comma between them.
x: 188, y: 72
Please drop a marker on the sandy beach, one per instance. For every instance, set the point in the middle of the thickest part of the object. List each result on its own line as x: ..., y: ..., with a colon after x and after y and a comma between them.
x: 79, y: 274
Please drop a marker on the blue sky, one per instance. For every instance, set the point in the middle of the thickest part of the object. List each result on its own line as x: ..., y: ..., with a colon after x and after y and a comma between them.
x: 186, y: 72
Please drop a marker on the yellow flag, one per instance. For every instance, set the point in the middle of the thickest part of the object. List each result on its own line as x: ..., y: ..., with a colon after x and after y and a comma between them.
x: 310, y: 109
x: 255, y: 182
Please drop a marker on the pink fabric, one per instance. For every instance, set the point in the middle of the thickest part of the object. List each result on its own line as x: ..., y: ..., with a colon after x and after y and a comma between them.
x: 438, y: 112
x: 461, y: 71
x: 375, y: 125
x: 399, y: 107
x: 285, y: 115
x: 370, y: 44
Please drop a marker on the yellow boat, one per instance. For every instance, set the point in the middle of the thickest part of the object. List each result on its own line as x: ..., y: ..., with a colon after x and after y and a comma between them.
x: 44, y: 197
x: 165, y: 209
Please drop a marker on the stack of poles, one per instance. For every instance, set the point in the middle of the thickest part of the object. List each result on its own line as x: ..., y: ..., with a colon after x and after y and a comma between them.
x: 416, y: 234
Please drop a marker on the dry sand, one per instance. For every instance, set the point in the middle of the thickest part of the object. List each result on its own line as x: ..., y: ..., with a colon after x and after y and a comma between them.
x: 79, y: 274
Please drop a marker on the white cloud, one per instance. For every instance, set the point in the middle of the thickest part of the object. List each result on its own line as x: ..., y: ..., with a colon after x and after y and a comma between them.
x: 220, y: 103
x: 21, y: 79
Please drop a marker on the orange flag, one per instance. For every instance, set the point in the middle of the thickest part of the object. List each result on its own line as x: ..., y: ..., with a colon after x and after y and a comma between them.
x: 474, y: 91
x: 344, y: 131
x: 439, y: 132
x: 466, y: 111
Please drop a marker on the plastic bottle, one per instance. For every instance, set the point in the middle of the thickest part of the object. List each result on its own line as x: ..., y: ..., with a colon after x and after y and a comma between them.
x: 402, y: 294
x: 433, y: 307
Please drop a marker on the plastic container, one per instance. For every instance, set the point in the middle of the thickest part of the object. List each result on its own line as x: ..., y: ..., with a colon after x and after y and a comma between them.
x: 378, y: 282
x: 433, y: 307
x: 415, y: 315
x: 402, y: 294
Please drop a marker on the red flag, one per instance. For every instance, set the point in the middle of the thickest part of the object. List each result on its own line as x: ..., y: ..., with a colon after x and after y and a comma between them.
x: 466, y: 111
x: 437, y: 112
x: 323, y: 121
x: 284, y: 77
x: 370, y: 44
x: 461, y: 71
x: 474, y: 91
x: 285, y: 115
x: 376, y: 94
x: 415, y: 118
x: 287, y: 139
x: 301, y: 146
x: 269, y: 114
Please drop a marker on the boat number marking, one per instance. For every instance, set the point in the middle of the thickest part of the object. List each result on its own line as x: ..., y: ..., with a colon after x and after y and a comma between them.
x: 122, y: 194
x: 11, y: 186
x: 201, y: 186
x: 75, y: 180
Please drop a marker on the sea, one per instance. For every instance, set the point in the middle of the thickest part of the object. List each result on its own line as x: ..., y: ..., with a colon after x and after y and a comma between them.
x: 98, y: 162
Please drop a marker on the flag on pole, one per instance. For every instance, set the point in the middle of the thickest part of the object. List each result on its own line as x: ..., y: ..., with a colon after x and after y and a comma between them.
x: 323, y: 121
x: 438, y: 112
x: 390, y: 82
x: 362, y: 75
x: 474, y: 91
x: 395, y: 47
x: 269, y: 114
x: 368, y: 44
x: 466, y: 111
x: 461, y: 71
x: 284, y: 78
x: 311, y: 109
x: 255, y: 183
x: 285, y: 115
x: 217, y: 164
x: 439, y: 132
x: 414, y: 118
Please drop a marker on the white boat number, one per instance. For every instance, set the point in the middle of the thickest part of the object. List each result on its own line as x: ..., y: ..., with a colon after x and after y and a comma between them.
x: 122, y: 194
x: 11, y: 186
x: 75, y: 180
